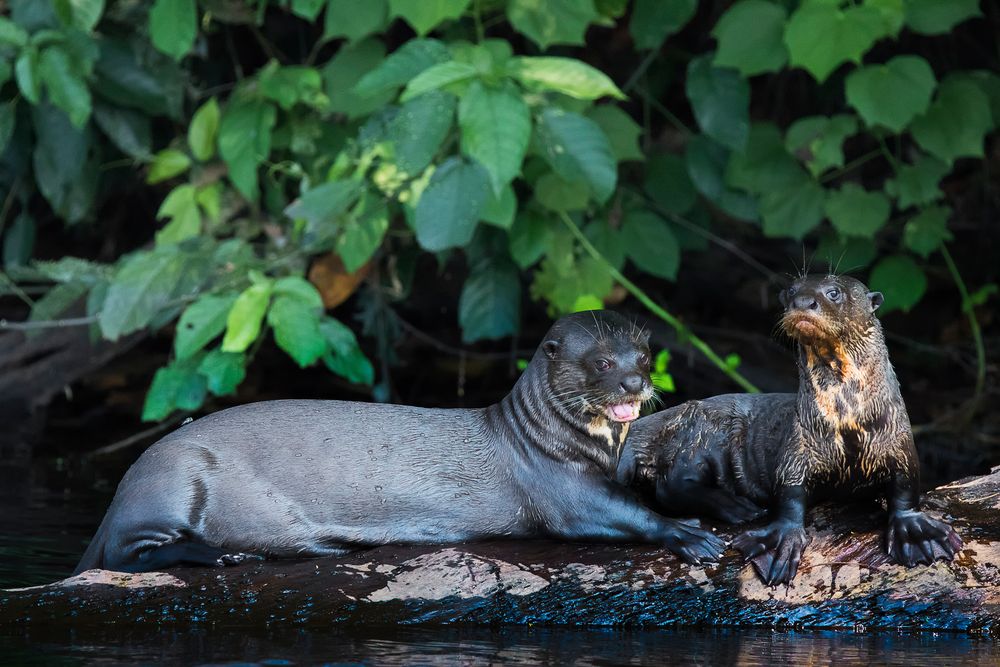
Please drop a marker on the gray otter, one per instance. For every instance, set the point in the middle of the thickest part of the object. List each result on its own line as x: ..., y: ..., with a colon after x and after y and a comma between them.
x: 301, y: 478
x: 846, y: 431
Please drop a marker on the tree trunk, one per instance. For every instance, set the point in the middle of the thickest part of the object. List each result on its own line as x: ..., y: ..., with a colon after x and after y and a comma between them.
x: 845, y: 581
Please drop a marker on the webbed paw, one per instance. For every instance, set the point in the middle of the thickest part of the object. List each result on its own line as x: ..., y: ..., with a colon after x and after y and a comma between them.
x: 774, y: 550
x: 229, y: 560
x: 916, y: 539
x: 693, y: 544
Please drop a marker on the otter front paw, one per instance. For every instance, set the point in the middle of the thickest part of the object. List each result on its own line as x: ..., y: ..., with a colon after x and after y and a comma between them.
x: 775, y: 550
x: 736, y: 509
x: 694, y: 545
x: 230, y: 560
x: 915, y: 538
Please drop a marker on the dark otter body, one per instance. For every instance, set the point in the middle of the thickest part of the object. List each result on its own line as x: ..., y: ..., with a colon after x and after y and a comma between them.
x: 845, y: 432
x: 310, y: 478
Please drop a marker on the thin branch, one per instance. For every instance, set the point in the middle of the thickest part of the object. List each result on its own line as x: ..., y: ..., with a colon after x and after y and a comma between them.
x: 457, y: 351
x: 136, y: 438
x: 667, y: 113
x: 641, y: 69
x: 48, y: 324
x: 977, y: 334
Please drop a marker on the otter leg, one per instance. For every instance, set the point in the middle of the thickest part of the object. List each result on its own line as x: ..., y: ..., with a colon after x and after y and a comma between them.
x: 913, y: 537
x: 776, y: 549
x: 688, y: 496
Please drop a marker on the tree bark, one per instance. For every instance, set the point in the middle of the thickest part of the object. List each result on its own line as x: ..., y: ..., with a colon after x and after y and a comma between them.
x: 845, y: 580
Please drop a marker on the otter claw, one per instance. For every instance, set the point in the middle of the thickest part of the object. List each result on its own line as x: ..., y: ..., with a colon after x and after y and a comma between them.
x: 774, y: 551
x: 916, y: 539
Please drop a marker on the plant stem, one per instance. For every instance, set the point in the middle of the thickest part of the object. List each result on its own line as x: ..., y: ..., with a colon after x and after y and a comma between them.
x: 667, y: 113
x: 658, y: 310
x: 478, y: 19
x: 977, y: 334
x: 856, y: 162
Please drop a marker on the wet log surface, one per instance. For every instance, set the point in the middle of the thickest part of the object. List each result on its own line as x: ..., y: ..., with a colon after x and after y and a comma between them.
x: 845, y: 581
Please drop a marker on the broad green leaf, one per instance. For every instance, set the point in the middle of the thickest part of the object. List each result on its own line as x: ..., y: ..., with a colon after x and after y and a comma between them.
x: 988, y: 82
x: 891, y: 12
x: 310, y: 9
x: 345, y: 357
x: 552, y: 21
x: 609, y: 241
x: 451, y: 206
x: 26, y: 73
x: 928, y: 230
x: 706, y: 164
x: 936, y: 17
x: 436, y: 77
x: 528, y: 237
x: 655, y: 20
x: 577, y: 149
x: 65, y: 167
x: 133, y: 74
x: 245, y: 141
x: 363, y: 234
x: 141, y: 288
x: 223, y: 371
x: 586, y: 302
x: 56, y: 301
x: 354, y: 20
x: 901, y: 282
x: 490, y: 304
x: 288, y: 86
x: 129, y: 130
x: 496, y: 128
x: 325, y: 203
x: 563, y: 75
x: 182, y: 210
x: 650, y: 244
x: 956, y: 122
x: 86, y: 13
x: 203, y: 130
x: 818, y: 141
x: 794, y: 212
x: 19, y: 242
x: 166, y: 164
x: 844, y: 255
x: 720, y: 99
x: 296, y: 329
x: 173, y: 25
x: 557, y: 194
x: 209, y: 198
x: 500, y: 210
x: 399, y: 68
x: 917, y: 184
x: 64, y: 84
x: 564, y: 276
x: 855, y: 212
x: 622, y: 132
x: 893, y: 94
x: 820, y: 36
x: 667, y: 183
x: 418, y: 130
x: 245, y: 318
x: 175, y: 386
x: 765, y: 164
x: 750, y: 37
x: 75, y: 270
x: 345, y: 74
x: 425, y: 15
x: 201, y: 322
x: 11, y: 34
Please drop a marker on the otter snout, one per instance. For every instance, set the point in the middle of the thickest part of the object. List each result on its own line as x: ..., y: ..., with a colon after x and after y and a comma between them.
x: 633, y: 383
x: 805, y: 302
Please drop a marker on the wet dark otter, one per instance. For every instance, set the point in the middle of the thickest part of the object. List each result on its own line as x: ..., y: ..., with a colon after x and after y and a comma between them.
x: 311, y: 478
x: 845, y: 432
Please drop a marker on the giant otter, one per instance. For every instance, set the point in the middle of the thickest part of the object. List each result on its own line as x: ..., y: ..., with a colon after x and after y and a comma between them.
x: 301, y: 478
x: 845, y: 432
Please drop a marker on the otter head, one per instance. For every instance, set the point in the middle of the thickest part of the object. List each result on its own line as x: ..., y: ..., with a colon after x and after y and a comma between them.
x: 822, y: 309
x: 599, y: 365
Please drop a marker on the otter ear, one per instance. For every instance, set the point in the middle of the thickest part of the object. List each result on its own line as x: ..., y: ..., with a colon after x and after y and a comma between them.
x: 783, y: 298
x: 551, y: 348
x: 875, y: 300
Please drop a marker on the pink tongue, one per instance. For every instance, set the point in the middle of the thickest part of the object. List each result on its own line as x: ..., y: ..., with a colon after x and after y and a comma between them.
x: 624, y: 411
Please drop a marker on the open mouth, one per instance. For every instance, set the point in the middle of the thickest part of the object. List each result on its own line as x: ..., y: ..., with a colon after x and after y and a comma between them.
x: 623, y: 412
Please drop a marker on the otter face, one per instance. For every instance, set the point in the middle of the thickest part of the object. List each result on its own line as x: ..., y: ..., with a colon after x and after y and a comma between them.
x: 821, y: 308
x: 599, y: 364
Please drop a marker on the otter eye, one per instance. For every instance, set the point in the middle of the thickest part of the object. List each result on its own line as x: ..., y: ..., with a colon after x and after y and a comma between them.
x: 602, y: 364
x: 833, y: 294
x: 791, y: 291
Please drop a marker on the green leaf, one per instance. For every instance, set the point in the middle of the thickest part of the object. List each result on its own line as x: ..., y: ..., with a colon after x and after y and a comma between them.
x: 917, y: 184
x: 818, y: 141
x: 650, y: 244
x: 820, y: 36
x: 500, y: 210
x: 937, y: 17
x: 65, y: 85
x: 720, y: 99
x: 436, y: 77
x: 765, y: 165
x: 528, y: 237
x: 310, y: 9
x: 893, y: 94
x: 496, y: 128
x: 175, y: 386
x: 345, y: 74
x: 425, y: 15
x: 399, y: 68
x: 667, y: 183
x: 323, y: 204
x: 201, y: 322
x: 844, y: 255
x: 56, y: 301
x: 552, y: 21
x: 27, y: 75
x: 577, y: 149
x: 956, y: 122
x: 245, y: 142
x: 363, y: 235
x: 86, y: 13
x: 173, y: 25
x: 11, y: 34
x: 203, y: 130
x: 18, y: 242
x: 750, y: 37
x: 794, y: 212
x: 129, y: 130
x: 288, y: 86
x: 892, y: 14
x: 246, y: 316
x: 181, y: 208
x: 8, y: 118
x: 706, y: 162
x: 223, y: 371
x: 64, y: 164
x: 354, y: 20
x: 166, y: 164
x: 141, y: 288
x: 622, y: 132
x: 557, y: 194
x: 490, y: 304
x: 855, y: 212
x: 296, y: 329
x: 418, y: 130
x: 655, y: 20
x: 133, y: 74
x: 989, y: 83
x: 980, y: 296
x: 586, y: 302
x: 928, y: 230
x: 297, y: 287
x: 451, y: 206
x: 609, y: 242
x: 345, y: 357
x: 563, y: 75
x: 901, y: 282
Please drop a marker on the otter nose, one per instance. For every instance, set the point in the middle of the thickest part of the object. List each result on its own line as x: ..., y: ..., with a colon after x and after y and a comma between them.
x: 805, y: 302
x: 633, y: 383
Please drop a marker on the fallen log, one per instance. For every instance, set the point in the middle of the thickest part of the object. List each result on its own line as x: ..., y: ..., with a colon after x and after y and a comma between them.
x: 845, y: 581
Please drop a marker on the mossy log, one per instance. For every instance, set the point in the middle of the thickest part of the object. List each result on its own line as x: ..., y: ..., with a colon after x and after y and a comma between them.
x: 845, y: 581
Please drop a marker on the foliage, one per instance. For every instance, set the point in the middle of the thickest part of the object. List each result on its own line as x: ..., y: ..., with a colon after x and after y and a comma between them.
x: 480, y: 132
